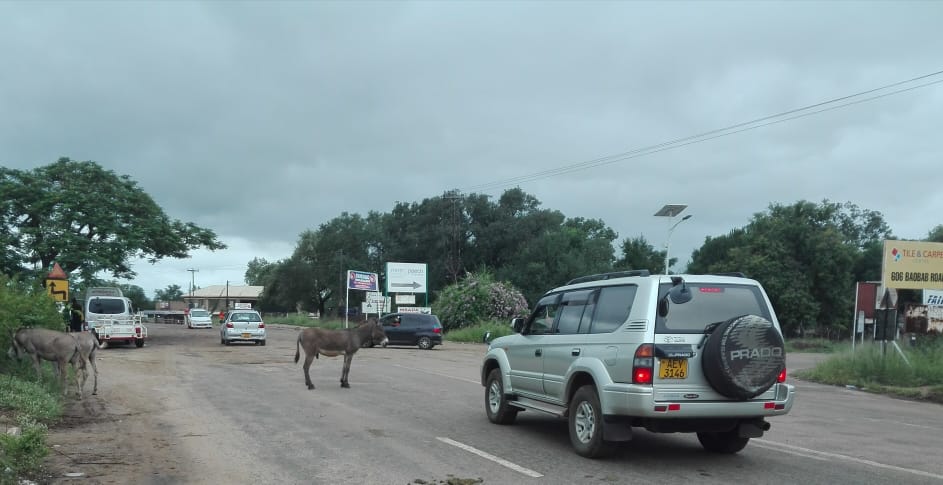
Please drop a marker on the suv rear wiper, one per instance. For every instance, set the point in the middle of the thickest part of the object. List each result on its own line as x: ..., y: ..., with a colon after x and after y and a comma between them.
x: 708, y: 330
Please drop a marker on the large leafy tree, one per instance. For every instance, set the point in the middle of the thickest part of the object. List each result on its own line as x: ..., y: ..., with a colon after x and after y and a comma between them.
x: 88, y: 219
x: 808, y: 257
x: 638, y: 253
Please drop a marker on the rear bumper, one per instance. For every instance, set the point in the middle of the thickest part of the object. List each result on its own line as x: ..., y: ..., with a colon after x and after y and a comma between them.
x: 120, y: 333
x: 233, y: 334
x: 638, y: 401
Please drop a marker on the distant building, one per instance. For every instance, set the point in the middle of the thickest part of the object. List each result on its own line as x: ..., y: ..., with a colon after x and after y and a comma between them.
x: 221, y: 297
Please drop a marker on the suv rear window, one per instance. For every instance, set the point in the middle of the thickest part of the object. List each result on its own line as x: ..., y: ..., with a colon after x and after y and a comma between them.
x: 710, y: 303
x: 106, y: 306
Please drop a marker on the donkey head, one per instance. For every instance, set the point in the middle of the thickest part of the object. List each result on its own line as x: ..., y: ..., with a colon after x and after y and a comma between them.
x: 377, y: 335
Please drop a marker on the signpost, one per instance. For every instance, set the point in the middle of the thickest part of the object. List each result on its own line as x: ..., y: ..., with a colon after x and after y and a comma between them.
x: 359, y: 280
x: 57, y: 284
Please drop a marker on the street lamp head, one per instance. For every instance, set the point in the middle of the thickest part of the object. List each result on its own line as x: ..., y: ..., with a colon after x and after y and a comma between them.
x: 686, y: 217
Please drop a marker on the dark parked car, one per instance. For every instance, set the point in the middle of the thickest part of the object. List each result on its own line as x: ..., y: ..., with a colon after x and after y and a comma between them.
x: 424, y: 331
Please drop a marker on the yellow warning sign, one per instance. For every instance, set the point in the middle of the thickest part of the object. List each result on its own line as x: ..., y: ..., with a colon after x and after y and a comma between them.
x: 58, y: 289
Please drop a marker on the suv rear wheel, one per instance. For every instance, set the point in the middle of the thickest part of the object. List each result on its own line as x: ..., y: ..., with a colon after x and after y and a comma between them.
x: 496, y: 403
x: 425, y: 343
x: 586, y: 424
x: 727, y: 442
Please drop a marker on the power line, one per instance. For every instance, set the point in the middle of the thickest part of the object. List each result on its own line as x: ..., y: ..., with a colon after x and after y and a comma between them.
x: 712, y: 134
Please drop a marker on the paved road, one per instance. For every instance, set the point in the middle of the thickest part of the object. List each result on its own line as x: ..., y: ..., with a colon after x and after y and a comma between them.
x: 242, y: 414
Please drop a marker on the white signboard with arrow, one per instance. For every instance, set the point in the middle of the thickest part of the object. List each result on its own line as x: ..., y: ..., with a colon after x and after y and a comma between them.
x: 406, y: 277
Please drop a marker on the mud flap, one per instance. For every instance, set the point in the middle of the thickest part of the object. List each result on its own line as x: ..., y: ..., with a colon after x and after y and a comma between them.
x: 616, y: 430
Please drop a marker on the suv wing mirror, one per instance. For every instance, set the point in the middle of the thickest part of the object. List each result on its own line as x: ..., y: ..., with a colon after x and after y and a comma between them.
x: 517, y: 324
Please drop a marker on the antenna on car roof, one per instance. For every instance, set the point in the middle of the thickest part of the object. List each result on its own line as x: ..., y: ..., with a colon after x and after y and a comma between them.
x: 608, y: 276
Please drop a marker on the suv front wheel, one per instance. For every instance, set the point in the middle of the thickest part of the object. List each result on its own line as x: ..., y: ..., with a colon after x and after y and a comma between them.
x: 496, y: 403
x: 586, y: 424
x: 727, y: 442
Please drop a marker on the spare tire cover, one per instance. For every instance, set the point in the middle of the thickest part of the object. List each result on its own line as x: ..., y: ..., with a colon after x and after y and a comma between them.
x: 743, y: 357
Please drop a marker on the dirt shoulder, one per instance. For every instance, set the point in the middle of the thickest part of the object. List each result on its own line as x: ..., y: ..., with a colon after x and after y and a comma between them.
x: 131, y: 431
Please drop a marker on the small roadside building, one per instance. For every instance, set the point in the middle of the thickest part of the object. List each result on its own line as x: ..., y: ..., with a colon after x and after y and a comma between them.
x: 222, y: 297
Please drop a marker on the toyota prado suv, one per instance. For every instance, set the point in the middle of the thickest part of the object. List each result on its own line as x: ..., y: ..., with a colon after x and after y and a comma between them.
x: 671, y: 354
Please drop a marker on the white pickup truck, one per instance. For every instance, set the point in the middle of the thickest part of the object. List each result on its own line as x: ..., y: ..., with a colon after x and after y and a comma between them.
x: 108, y: 313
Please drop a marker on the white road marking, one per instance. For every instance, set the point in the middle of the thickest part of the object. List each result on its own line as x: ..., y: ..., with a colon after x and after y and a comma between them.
x: 824, y: 455
x: 489, y: 456
x: 436, y: 374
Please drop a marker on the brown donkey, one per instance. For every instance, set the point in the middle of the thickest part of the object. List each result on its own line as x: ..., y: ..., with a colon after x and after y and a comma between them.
x: 331, y: 343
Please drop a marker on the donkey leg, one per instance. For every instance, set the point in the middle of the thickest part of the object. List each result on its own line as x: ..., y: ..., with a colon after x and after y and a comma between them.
x: 347, y: 358
x: 91, y: 360
x: 307, y: 365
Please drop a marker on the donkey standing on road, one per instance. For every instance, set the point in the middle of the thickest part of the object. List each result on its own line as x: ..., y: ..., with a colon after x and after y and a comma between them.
x: 46, y: 344
x: 331, y: 343
x: 87, y: 345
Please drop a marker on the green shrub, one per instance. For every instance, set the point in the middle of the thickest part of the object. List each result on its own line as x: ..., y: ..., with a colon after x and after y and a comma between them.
x: 24, y: 304
x: 871, y: 367
x: 478, y: 298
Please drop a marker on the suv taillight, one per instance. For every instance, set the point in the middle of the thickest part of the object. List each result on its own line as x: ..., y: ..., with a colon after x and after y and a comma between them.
x: 643, y: 364
x: 261, y: 324
x: 782, y: 376
x: 436, y: 329
x: 229, y: 325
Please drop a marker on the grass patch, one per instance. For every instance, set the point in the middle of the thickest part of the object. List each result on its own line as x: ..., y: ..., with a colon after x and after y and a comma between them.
x: 29, y: 405
x: 475, y: 333
x: 885, y: 371
x: 304, y: 321
x: 816, y: 345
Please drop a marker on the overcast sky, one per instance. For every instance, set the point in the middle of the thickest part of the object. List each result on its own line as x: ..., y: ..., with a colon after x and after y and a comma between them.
x: 262, y: 120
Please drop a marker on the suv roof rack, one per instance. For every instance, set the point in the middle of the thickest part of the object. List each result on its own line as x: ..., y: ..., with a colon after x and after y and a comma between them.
x: 606, y: 276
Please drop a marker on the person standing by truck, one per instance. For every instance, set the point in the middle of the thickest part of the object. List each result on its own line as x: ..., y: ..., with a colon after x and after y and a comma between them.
x: 76, y: 317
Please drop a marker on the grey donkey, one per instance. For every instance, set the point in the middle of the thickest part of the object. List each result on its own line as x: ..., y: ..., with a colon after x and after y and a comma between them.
x: 45, y: 344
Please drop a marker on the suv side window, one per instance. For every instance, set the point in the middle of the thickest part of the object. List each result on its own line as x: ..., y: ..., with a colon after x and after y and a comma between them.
x: 541, y: 321
x: 572, y: 308
x: 612, y: 308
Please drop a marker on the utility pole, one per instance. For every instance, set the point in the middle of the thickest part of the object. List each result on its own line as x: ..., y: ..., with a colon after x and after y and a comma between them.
x: 192, y: 280
x: 454, y: 262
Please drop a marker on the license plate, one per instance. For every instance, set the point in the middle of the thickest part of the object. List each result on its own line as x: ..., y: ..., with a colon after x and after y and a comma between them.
x: 673, y: 369
x: 247, y: 335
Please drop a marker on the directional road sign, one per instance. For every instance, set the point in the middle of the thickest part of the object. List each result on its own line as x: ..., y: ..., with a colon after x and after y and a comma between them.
x: 406, y: 277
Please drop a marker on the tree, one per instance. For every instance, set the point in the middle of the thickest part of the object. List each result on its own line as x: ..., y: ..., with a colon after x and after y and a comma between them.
x: 87, y: 219
x: 259, y: 272
x: 637, y: 253
x: 936, y: 234
x: 137, y: 296
x: 807, y: 256
x: 171, y: 293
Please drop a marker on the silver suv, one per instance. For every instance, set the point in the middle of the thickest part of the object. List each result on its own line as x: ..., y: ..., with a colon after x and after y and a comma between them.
x: 682, y: 353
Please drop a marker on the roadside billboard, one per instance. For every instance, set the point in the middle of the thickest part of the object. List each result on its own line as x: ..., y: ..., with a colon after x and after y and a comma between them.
x: 914, y: 265
x: 933, y: 297
x: 406, y: 277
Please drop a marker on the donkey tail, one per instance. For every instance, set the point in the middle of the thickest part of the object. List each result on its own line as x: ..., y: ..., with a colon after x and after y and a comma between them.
x: 298, y: 349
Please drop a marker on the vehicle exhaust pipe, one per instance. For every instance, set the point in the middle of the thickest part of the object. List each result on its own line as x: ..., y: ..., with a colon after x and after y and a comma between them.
x: 753, y: 428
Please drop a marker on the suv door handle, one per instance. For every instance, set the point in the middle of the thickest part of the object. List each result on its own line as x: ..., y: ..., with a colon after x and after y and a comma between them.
x: 575, y: 352
x: 538, y: 353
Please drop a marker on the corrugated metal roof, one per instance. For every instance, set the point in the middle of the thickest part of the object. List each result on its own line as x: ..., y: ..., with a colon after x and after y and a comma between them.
x: 220, y: 291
